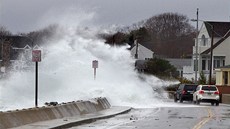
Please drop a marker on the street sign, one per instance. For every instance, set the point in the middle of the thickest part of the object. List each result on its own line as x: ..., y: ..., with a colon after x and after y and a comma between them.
x: 36, y: 55
x: 95, y: 64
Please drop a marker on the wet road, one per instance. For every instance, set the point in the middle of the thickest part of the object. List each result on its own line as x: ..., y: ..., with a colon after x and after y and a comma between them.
x: 182, y: 116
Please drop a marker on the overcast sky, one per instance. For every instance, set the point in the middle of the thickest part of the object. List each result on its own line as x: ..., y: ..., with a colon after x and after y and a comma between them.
x: 30, y: 15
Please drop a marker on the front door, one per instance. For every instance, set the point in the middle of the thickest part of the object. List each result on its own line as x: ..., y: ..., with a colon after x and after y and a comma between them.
x: 225, y: 78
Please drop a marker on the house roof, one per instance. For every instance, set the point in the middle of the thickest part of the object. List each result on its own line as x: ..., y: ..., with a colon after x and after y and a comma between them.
x: 220, y: 28
x: 179, y: 63
x: 147, y: 45
x: 218, y: 43
x: 139, y: 44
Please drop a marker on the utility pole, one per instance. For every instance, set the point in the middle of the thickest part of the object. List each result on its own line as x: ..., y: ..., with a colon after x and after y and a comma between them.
x: 211, y: 56
x: 196, y: 56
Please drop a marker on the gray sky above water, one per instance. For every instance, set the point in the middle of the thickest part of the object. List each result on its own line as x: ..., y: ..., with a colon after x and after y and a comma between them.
x: 29, y: 15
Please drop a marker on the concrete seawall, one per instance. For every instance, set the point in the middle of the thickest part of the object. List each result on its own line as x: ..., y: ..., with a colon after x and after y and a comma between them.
x: 17, y: 118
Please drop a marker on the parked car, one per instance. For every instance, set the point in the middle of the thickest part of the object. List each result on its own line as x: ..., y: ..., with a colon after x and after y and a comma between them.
x: 185, y: 92
x: 206, y: 93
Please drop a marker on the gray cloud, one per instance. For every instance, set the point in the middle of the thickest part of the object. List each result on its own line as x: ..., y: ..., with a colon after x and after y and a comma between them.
x: 29, y: 15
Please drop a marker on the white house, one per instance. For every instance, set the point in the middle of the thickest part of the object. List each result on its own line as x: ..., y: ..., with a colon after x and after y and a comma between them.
x: 178, y: 64
x: 16, y: 52
x: 140, y: 52
x: 221, y: 49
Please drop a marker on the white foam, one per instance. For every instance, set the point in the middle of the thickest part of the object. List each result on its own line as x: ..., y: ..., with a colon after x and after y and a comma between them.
x: 66, y: 74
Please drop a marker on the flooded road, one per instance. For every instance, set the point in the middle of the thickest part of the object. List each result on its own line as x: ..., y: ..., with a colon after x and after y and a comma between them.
x: 181, y: 117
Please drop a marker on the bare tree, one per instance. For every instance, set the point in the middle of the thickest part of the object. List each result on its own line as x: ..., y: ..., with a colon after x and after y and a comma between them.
x: 4, y: 31
x: 167, y: 34
x: 169, y: 25
x: 171, y: 33
x: 41, y: 36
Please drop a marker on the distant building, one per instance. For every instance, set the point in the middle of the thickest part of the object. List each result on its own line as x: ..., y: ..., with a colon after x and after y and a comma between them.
x: 15, y: 50
x: 140, y: 52
x: 178, y: 64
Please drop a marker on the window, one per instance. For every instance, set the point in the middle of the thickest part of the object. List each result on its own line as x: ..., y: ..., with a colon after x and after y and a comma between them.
x: 190, y: 87
x: 203, y: 40
x: 209, y: 88
x: 203, y: 64
x: 198, y: 87
x: 216, y: 63
x: 208, y: 64
x: 219, y: 61
x: 225, y: 78
x: 195, y: 65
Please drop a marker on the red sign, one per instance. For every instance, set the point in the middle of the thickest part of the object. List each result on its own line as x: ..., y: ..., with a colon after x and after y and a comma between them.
x: 95, y: 64
x: 36, y: 55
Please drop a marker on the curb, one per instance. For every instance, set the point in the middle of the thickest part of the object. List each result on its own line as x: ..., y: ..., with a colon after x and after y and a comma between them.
x: 89, y: 120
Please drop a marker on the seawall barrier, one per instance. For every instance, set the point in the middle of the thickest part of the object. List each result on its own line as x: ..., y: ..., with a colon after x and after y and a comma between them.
x: 17, y: 118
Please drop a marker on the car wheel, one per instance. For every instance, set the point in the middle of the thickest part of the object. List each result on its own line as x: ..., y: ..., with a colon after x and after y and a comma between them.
x: 175, y: 99
x: 197, y: 101
x: 212, y: 103
x: 181, y: 100
x: 217, y: 103
x: 194, y: 102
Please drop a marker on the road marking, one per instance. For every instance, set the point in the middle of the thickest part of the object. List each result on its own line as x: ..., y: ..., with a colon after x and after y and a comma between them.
x: 205, y: 120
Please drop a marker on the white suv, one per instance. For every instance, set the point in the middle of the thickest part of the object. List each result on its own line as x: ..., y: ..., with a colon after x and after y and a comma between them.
x: 206, y: 93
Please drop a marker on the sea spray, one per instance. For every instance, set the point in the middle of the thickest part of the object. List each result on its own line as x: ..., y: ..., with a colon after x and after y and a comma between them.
x: 66, y: 74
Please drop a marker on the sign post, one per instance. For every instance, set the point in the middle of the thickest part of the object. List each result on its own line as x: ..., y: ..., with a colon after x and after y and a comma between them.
x: 36, y: 57
x: 95, y: 66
